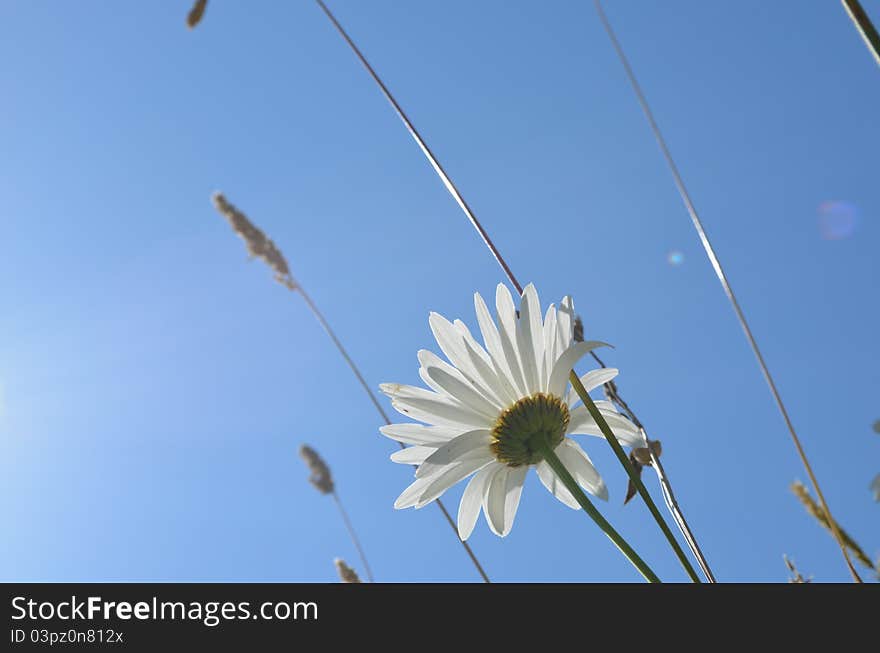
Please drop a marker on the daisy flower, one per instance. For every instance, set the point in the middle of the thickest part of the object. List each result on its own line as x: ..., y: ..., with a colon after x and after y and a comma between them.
x: 490, y: 410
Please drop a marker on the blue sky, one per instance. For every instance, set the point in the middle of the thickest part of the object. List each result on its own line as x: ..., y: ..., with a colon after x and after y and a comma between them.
x: 155, y: 385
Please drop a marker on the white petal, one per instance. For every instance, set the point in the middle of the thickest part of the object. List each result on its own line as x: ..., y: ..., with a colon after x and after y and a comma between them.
x: 507, y: 334
x: 565, y: 320
x: 472, y: 500
x: 452, y: 345
x: 554, y: 485
x: 505, y: 307
x: 487, y: 375
x: 605, y: 406
x: 473, y: 444
x: 496, y: 352
x: 592, y: 380
x: 430, y: 359
x: 627, y: 433
x: 498, y: 390
x: 439, y: 413
x: 567, y: 360
x: 410, y: 496
x: 403, y: 391
x: 419, y: 434
x: 463, y: 392
x: 530, y: 338
x: 451, y: 475
x: 467, y: 336
x: 579, y: 465
x: 431, y: 407
x: 515, y: 478
x: 494, y: 497
x: 412, y: 455
x: 551, y: 336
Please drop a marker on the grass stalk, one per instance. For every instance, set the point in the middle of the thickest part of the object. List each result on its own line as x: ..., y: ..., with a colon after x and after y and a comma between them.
x: 354, y: 537
x: 321, y: 479
x: 258, y: 245
x: 803, y: 495
x: 722, y: 277
x: 864, y: 27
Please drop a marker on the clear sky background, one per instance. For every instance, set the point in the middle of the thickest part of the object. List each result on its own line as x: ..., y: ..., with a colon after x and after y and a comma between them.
x: 155, y: 385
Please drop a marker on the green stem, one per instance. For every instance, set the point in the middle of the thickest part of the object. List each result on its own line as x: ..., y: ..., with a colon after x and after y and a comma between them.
x: 633, y: 475
x: 559, y: 469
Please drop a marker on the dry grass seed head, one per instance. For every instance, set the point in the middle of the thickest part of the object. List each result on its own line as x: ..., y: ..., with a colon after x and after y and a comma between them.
x: 195, y: 14
x: 258, y: 245
x: 320, y: 476
x: 346, y: 573
x: 803, y: 495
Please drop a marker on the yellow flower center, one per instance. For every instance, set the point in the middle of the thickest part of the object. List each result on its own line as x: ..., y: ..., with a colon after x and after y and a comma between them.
x: 521, y: 431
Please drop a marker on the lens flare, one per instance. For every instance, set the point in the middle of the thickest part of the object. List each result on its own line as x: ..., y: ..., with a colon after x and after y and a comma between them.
x: 837, y: 219
x: 675, y: 258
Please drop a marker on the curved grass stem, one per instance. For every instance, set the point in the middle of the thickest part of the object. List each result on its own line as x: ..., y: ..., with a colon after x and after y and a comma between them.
x: 864, y: 27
